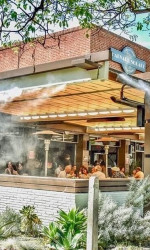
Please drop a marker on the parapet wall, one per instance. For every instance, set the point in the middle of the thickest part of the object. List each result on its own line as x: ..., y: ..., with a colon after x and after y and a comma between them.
x: 49, y: 195
x: 70, y: 43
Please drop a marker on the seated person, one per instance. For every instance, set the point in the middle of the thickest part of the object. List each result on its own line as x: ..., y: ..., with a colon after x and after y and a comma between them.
x: 73, y: 172
x: 98, y: 172
x: 116, y: 173
x: 134, y: 172
x: 33, y: 167
x: 103, y: 166
x: 65, y: 173
x: 58, y: 170
x: 9, y: 169
x: 83, y: 173
x: 93, y: 170
x: 122, y: 172
x: 20, y: 169
x: 139, y: 174
x: 95, y: 163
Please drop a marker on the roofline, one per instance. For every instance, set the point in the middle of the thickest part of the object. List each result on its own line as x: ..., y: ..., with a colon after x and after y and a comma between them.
x: 123, y: 38
x: 57, y: 65
x: 50, y: 36
x: 74, y: 29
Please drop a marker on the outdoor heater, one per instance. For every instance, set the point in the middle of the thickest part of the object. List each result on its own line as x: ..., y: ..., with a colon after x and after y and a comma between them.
x: 46, y: 136
x: 127, y: 80
x: 107, y: 142
x: 134, y: 83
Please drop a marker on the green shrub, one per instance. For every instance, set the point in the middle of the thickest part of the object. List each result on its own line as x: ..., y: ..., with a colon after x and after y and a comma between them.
x: 30, y: 222
x: 69, y: 232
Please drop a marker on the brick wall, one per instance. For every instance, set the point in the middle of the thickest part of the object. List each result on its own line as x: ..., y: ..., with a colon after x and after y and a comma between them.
x: 47, y: 203
x: 72, y: 43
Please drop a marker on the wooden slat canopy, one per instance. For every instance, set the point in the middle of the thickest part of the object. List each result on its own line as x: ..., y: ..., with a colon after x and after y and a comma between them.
x: 78, y: 97
x: 93, y: 95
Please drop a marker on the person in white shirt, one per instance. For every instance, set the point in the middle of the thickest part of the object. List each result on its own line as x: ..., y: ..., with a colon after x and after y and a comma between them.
x: 65, y: 172
x: 58, y: 170
x: 99, y: 172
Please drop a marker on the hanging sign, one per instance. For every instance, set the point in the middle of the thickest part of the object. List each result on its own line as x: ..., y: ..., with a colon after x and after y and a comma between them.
x: 127, y: 58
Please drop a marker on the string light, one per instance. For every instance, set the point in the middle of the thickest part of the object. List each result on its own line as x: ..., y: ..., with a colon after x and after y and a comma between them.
x: 52, y: 115
x: 91, y: 113
x: 35, y: 117
x: 104, y: 112
x: 27, y: 117
x: 72, y: 115
x: 43, y: 116
x: 118, y: 128
x: 116, y: 111
x: 128, y: 110
x: 62, y: 115
x: 82, y: 114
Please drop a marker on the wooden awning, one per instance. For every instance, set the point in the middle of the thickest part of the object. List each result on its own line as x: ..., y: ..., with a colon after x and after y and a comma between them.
x: 85, y: 104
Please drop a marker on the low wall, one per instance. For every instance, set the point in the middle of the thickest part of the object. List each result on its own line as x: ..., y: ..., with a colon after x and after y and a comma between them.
x: 49, y: 195
x: 47, y: 203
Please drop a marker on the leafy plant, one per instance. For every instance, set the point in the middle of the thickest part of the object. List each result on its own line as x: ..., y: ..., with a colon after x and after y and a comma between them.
x: 22, y: 243
x: 10, y: 222
x: 139, y: 193
x: 124, y: 224
x: 6, y: 233
x: 30, y: 221
x: 69, y: 232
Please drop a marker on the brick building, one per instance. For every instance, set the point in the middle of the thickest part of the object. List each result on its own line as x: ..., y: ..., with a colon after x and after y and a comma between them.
x: 69, y: 44
x: 70, y: 87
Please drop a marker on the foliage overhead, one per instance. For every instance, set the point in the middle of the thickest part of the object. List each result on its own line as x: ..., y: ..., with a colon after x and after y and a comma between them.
x: 28, y: 19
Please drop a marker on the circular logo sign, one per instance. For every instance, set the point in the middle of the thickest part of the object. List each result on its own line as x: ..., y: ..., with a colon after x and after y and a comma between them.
x: 129, y: 59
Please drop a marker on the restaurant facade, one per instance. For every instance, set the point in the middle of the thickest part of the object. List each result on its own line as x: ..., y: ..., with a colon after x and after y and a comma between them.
x: 74, y: 99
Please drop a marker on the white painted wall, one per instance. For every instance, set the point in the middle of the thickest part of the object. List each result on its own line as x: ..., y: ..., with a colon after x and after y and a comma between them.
x: 47, y: 203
